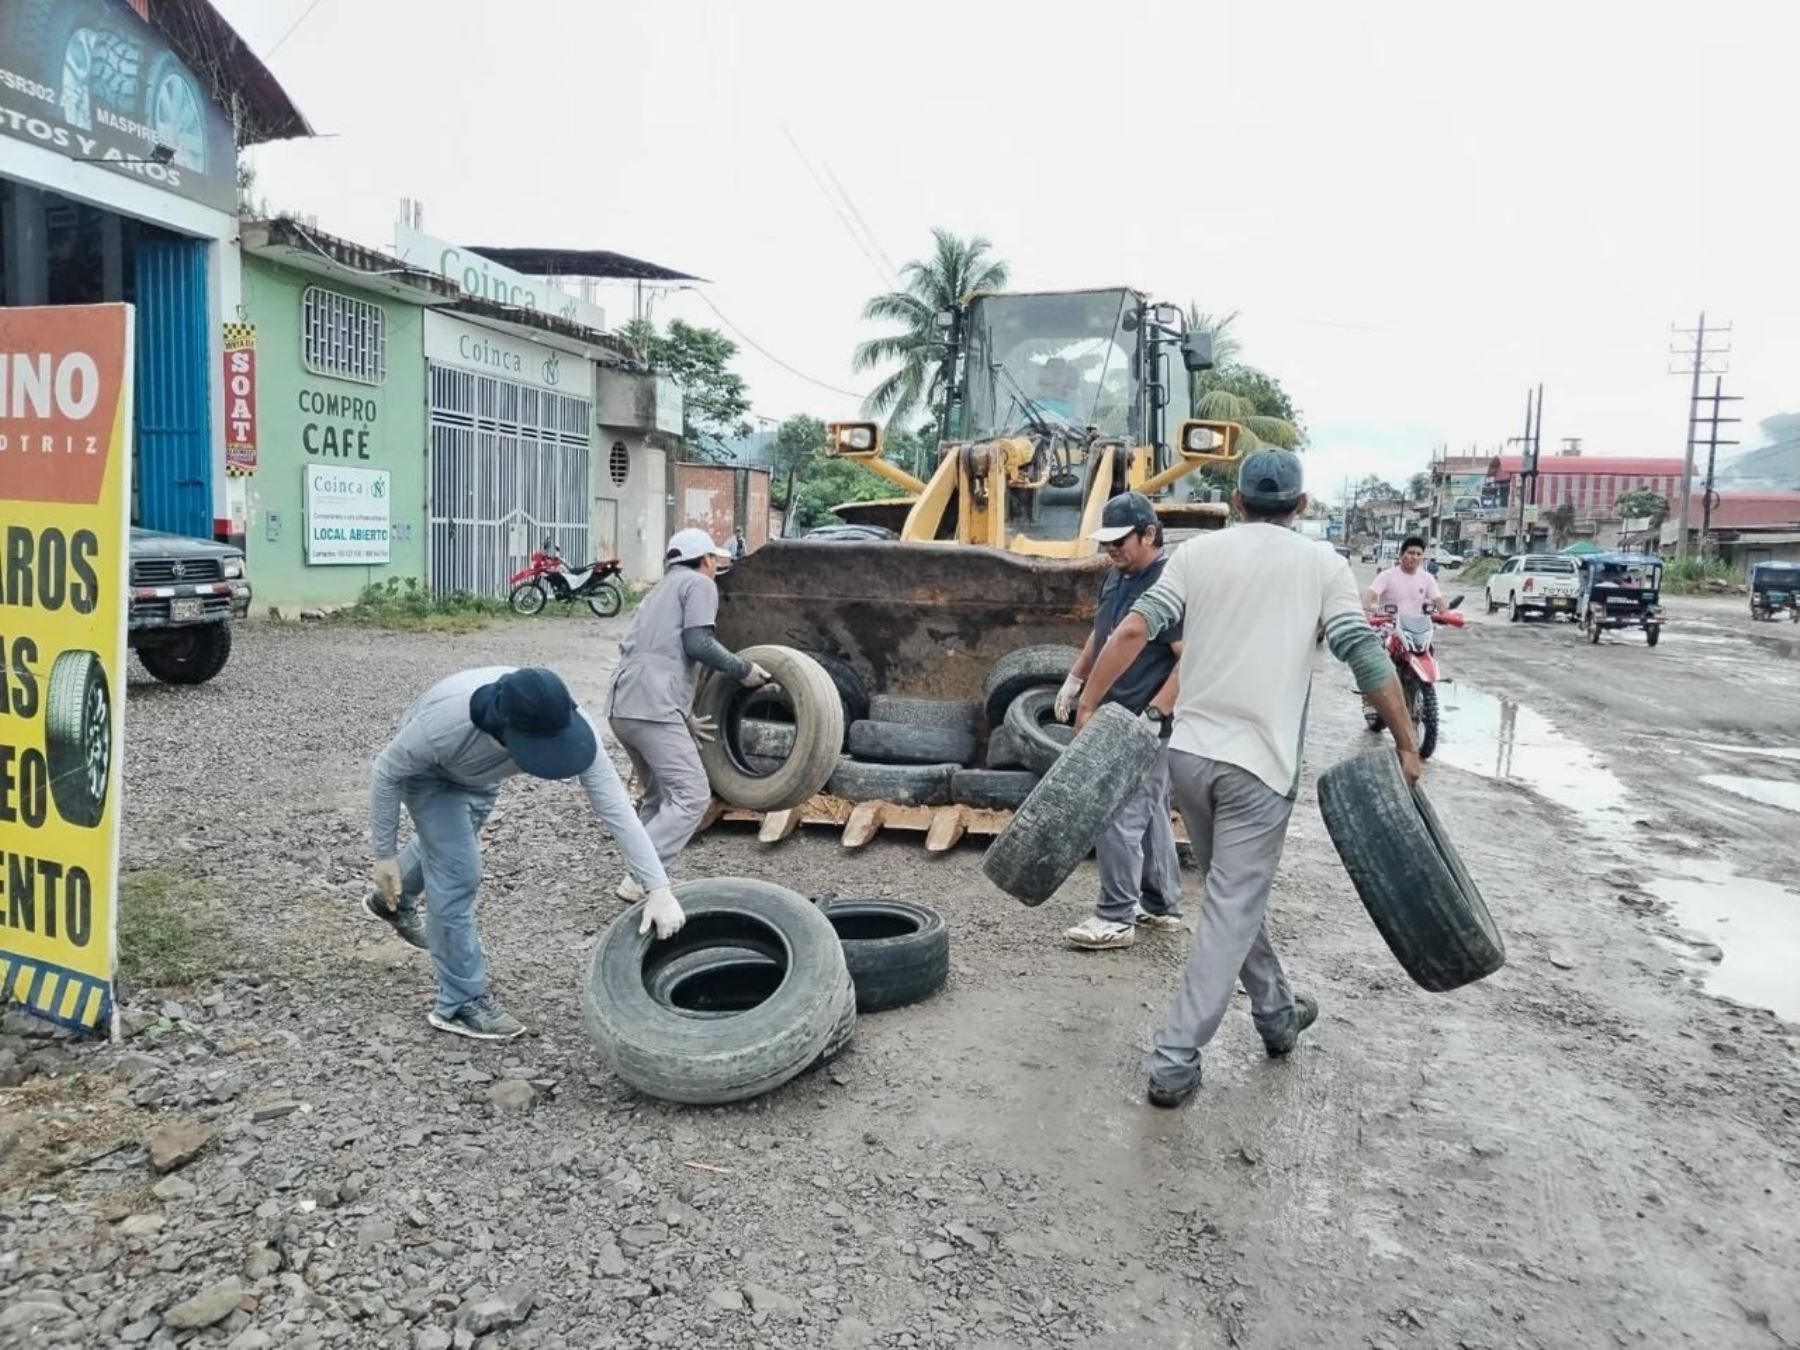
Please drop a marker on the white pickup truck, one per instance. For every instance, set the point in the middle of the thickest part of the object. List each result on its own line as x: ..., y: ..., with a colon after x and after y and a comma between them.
x: 1535, y: 583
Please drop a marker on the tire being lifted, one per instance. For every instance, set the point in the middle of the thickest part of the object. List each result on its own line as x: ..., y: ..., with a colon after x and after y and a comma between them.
x: 1410, y: 879
x: 818, y: 714
x: 1063, y: 817
x: 666, y: 1053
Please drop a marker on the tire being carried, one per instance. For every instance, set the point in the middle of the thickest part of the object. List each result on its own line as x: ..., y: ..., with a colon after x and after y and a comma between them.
x: 818, y: 715
x: 897, y: 952
x: 668, y: 1053
x: 1410, y: 879
x: 1059, y: 823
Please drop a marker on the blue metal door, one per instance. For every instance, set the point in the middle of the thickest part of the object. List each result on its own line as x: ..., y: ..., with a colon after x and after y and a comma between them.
x: 172, y: 478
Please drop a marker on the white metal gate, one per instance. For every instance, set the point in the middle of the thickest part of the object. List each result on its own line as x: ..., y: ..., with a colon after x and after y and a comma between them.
x: 509, y: 466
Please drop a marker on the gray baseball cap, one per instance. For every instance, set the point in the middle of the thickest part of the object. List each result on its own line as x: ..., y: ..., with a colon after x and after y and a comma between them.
x: 1270, y: 479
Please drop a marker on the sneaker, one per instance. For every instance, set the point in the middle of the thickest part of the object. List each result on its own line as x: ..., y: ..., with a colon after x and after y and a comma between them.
x: 1283, y: 1034
x: 482, y: 1020
x: 629, y: 891
x: 406, y: 920
x: 1094, y: 934
x: 1158, y: 923
x: 1169, y: 1088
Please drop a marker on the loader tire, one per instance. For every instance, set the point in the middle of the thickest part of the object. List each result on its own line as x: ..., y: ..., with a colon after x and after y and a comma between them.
x: 1040, y: 738
x: 897, y: 743
x: 1066, y: 813
x: 901, y: 784
x: 851, y: 691
x: 818, y: 715
x: 951, y: 714
x: 992, y: 789
x: 1409, y: 876
x: 897, y: 952
x: 1025, y: 668
x: 704, y: 1060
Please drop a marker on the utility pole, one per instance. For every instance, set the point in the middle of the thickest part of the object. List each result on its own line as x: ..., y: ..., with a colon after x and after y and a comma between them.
x: 1712, y: 444
x: 1698, y: 359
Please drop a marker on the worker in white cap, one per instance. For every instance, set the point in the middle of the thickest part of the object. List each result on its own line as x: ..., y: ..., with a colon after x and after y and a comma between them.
x: 650, y: 704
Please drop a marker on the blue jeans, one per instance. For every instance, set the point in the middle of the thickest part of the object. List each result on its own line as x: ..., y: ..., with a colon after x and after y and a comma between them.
x: 443, y: 860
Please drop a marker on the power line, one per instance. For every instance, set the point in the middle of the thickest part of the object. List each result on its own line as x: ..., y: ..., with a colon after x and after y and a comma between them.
x: 757, y: 346
x: 887, y: 279
x: 305, y: 14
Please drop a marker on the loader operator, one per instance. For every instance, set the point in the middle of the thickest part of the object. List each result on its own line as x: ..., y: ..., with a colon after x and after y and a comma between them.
x: 1140, y: 874
x: 650, y: 704
x: 457, y: 743
x: 1249, y: 600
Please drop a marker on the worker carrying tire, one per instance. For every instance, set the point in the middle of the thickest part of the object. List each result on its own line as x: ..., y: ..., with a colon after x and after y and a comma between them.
x: 1248, y: 601
x: 649, y: 706
x: 457, y: 743
x: 1140, y: 872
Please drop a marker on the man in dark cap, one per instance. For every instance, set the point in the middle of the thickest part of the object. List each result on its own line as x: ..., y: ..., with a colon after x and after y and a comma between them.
x: 1140, y: 872
x: 457, y: 743
x: 1248, y: 601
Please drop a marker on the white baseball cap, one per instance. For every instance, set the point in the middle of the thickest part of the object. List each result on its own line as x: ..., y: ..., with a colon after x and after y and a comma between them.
x: 691, y: 543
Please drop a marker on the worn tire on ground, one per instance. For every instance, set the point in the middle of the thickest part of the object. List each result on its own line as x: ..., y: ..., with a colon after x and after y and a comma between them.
x: 678, y: 1058
x: 963, y: 714
x: 992, y: 789
x: 1066, y: 813
x: 1406, y: 871
x: 1040, y: 738
x: 897, y: 743
x: 769, y: 740
x: 818, y: 732
x: 851, y: 691
x: 901, y: 784
x: 897, y: 952
x: 1002, y: 750
x: 1022, y: 669
x: 712, y: 982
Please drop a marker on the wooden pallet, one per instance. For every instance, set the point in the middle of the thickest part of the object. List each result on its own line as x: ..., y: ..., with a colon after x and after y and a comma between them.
x: 944, y: 827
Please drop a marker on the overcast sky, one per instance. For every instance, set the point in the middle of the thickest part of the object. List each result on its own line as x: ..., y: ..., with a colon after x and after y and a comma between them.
x: 1419, y: 209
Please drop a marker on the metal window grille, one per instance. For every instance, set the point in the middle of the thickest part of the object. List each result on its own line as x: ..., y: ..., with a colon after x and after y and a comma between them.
x: 619, y: 462
x: 343, y: 336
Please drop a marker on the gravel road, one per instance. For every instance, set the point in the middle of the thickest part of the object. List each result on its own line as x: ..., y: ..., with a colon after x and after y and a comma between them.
x: 1591, y: 1148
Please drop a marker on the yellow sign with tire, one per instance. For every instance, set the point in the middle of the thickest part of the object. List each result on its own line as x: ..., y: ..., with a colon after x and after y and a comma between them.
x: 65, y: 485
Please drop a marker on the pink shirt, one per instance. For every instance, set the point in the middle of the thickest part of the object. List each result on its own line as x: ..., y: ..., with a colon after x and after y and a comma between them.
x: 1410, y: 594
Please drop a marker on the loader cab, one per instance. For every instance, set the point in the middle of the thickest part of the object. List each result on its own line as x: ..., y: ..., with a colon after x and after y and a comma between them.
x: 1068, y: 361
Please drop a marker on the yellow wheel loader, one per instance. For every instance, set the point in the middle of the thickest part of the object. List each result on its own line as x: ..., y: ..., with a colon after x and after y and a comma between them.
x: 1051, y: 404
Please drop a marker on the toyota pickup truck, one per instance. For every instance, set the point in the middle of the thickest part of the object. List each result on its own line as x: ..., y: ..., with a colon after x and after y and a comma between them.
x: 184, y: 596
x: 1535, y: 583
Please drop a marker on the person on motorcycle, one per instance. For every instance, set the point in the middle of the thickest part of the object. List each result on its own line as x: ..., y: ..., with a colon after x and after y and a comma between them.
x: 1140, y: 872
x: 1407, y: 585
x: 457, y: 743
x: 649, y: 705
x: 1248, y: 601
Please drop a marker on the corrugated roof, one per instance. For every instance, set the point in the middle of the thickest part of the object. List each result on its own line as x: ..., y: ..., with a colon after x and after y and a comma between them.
x: 241, y: 83
x: 1613, y: 464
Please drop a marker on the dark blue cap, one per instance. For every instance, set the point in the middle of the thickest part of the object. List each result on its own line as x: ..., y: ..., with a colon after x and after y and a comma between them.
x: 1124, y: 513
x: 1271, y: 479
x: 545, y: 732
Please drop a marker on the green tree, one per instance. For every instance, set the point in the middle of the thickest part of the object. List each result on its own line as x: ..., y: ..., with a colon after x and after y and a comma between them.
x: 826, y: 483
x: 1561, y: 520
x: 1419, y: 486
x: 714, y: 397
x: 956, y: 269
x: 797, y: 441
x: 1642, y: 502
x: 1253, y: 399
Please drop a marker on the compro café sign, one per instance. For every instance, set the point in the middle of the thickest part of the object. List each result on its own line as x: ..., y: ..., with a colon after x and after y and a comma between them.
x: 91, y: 80
x: 349, y: 515
x: 65, y: 484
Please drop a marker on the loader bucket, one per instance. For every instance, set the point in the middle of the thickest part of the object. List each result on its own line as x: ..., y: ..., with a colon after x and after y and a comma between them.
x: 917, y: 619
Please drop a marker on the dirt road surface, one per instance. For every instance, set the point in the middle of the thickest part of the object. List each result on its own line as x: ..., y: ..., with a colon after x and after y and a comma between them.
x: 1591, y: 1148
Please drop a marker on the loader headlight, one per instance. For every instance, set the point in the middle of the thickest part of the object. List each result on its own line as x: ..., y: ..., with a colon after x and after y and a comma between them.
x: 857, y: 436
x: 1202, y: 440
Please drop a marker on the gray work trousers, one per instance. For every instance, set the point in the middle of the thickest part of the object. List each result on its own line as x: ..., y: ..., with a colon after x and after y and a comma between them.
x: 1236, y: 826
x: 1136, y: 853
x: 443, y: 861
x: 676, y: 792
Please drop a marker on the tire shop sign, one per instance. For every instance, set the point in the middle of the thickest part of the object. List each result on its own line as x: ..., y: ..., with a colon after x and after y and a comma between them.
x: 65, y: 482
x: 91, y: 80
x: 349, y: 515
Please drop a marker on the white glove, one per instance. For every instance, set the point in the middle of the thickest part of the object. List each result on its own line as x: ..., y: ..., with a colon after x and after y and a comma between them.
x: 662, y: 911
x: 1066, y: 696
x: 386, y: 876
x: 705, y: 730
x: 757, y: 677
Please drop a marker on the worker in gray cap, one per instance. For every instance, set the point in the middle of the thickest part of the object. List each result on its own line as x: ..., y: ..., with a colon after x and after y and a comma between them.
x: 457, y: 743
x: 1248, y: 602
x: 650, y: 704
x: 1140, y: 873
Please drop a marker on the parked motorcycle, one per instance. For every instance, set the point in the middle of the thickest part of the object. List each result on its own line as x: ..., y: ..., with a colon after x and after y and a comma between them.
x: 548, y: 578
x: 1411, y: 646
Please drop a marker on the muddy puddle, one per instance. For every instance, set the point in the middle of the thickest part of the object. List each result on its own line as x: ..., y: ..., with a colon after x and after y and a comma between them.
x: 1505, y: 739
x: 1768, y: 791
x: 1755, y: 923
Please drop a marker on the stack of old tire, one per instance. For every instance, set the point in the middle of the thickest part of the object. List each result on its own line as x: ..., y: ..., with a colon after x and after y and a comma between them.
x: 758, y: 986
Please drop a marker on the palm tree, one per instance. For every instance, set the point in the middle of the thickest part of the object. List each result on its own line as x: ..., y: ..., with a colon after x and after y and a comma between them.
x: 957, y: 269
x: 1256, y: 429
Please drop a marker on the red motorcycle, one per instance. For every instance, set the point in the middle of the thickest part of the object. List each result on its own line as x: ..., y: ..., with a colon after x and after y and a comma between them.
x: 549, y: 578
x: 1411, y: 646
